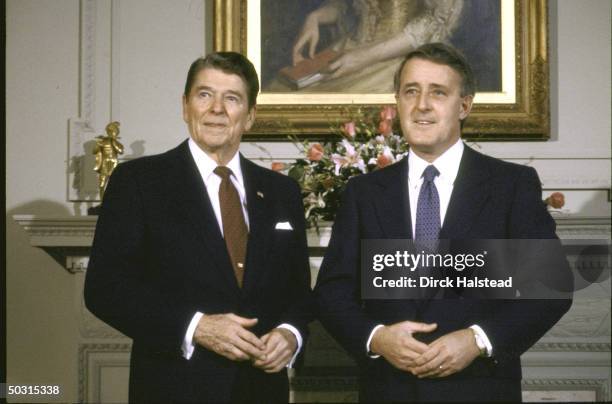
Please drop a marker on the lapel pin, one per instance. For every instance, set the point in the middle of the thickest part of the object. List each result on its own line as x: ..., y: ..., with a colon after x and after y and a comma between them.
x: 260, y: 194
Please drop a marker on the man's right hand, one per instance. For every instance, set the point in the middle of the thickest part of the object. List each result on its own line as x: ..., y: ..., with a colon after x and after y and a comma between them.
x: 227, y: 335
x: 397, y: 345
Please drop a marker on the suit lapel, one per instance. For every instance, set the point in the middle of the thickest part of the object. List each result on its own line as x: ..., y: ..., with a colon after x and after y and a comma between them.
x: 470, y: 192
x: 259, y: 207
x: 193, y: 202
x: 392, y: 203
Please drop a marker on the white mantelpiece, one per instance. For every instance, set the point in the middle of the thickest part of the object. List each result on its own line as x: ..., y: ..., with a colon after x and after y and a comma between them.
x: 65, y: 238
x: 68, y: 238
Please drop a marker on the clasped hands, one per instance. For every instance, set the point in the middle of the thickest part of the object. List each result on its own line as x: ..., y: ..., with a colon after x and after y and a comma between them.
x: 446, y: 355
x: 228, y: 335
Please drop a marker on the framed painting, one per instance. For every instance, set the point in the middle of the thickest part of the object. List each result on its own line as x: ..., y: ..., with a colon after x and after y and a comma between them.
x: 319, y: 61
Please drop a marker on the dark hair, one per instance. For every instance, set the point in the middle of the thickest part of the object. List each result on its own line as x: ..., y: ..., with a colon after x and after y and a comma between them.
x: 228, y: 62
x: 445, y: 55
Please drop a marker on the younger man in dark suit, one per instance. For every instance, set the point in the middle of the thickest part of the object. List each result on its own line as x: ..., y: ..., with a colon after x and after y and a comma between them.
x: 435, y: 350
x: 200, y: 255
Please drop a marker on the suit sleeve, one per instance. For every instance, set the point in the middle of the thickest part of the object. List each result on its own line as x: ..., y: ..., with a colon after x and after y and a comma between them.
x: 519, y: 324
x: 301, y: 311
x: 337, y: 290
x: 117, y: 289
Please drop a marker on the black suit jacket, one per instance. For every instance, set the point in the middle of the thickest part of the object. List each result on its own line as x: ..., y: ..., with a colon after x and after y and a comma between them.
x: 491, y: 199
x: 158, y: 257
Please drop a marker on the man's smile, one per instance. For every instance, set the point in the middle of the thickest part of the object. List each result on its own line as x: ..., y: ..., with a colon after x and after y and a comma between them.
x: 215, y: 124
x: 424, y: 122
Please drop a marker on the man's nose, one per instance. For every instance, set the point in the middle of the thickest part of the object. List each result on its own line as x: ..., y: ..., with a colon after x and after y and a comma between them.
x: 423, y: 101
x: 217, y: 105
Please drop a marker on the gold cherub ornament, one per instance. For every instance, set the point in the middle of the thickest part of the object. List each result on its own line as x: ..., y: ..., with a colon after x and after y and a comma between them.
x: 107, y: 149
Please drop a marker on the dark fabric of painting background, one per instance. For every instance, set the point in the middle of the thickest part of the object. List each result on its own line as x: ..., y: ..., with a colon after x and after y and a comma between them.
x: 478, y: 36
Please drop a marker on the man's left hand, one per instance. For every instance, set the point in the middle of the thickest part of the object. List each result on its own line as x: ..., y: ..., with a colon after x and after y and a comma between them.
x: 280, y: 347
x: 446, y: 355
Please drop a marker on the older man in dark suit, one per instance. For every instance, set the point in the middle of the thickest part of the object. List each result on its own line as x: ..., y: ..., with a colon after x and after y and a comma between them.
x: 200, y: 255
x: 436, y: 349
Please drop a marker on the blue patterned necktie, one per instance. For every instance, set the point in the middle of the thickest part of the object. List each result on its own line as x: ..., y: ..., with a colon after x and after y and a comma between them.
x: 427, y: 225
x: 427, y: 228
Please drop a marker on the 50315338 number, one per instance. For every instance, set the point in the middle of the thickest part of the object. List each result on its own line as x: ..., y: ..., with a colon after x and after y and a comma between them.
x: 31, y: 390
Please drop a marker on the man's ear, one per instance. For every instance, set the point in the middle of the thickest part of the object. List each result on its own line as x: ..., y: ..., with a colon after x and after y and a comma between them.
x: 184, y: 108
x: 466, y: 106
x: 250, y: 118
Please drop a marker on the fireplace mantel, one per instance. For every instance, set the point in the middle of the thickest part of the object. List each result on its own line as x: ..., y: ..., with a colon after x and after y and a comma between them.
x: 68, y: 239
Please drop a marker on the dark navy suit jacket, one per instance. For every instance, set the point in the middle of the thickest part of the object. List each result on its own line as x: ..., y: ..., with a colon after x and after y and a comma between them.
x: 491, y: 199
x: 158, y: 257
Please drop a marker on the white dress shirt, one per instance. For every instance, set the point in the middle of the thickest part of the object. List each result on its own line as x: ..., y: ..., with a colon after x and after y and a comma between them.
x: 212, y: 181
x: 448, y: 166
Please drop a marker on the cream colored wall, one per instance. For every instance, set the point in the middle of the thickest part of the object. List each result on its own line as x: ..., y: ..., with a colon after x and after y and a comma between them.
x: 157, y: 41
x: 41, y: 92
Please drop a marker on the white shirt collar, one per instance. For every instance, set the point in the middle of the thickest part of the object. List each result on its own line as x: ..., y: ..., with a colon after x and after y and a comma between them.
x: 447, y: 164
x: 206, y: 165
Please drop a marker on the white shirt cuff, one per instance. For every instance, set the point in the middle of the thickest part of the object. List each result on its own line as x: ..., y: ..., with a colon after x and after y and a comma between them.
x: 480, y: 332
x: 298, y: 337
x: 369, y: 353
x: 188, y: 346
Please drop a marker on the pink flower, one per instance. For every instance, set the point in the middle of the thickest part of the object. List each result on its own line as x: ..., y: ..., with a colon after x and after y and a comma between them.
x: 278, y: 166
x: 315, y: 152
x: 388, y: 113
x: 349, y: 129
x: 383, y: 160
x: 351, y: 158
x: 385, y: 127
x: 556, y: 200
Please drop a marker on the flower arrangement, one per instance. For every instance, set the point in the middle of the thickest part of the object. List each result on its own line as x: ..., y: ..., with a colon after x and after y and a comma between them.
x: 365, y: 143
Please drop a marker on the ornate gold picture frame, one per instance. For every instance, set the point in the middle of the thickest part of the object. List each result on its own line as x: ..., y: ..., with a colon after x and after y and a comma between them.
x: 520, y: 111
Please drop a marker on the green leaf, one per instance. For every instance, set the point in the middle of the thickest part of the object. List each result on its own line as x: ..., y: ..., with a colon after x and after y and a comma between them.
x: 296, y: 172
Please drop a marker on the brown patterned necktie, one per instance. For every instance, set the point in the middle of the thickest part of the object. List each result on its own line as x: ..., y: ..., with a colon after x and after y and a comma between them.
x: 235, y: 230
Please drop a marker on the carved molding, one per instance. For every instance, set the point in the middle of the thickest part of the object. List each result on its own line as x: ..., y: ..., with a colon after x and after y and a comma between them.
x: 88, y: 59
x: 583, y: 231
x: 577, y: 362
x: 600, y: 386
x: 570, y: 347
x: 90, y: 365
x: 58, y: 231
x: 67, y: 239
